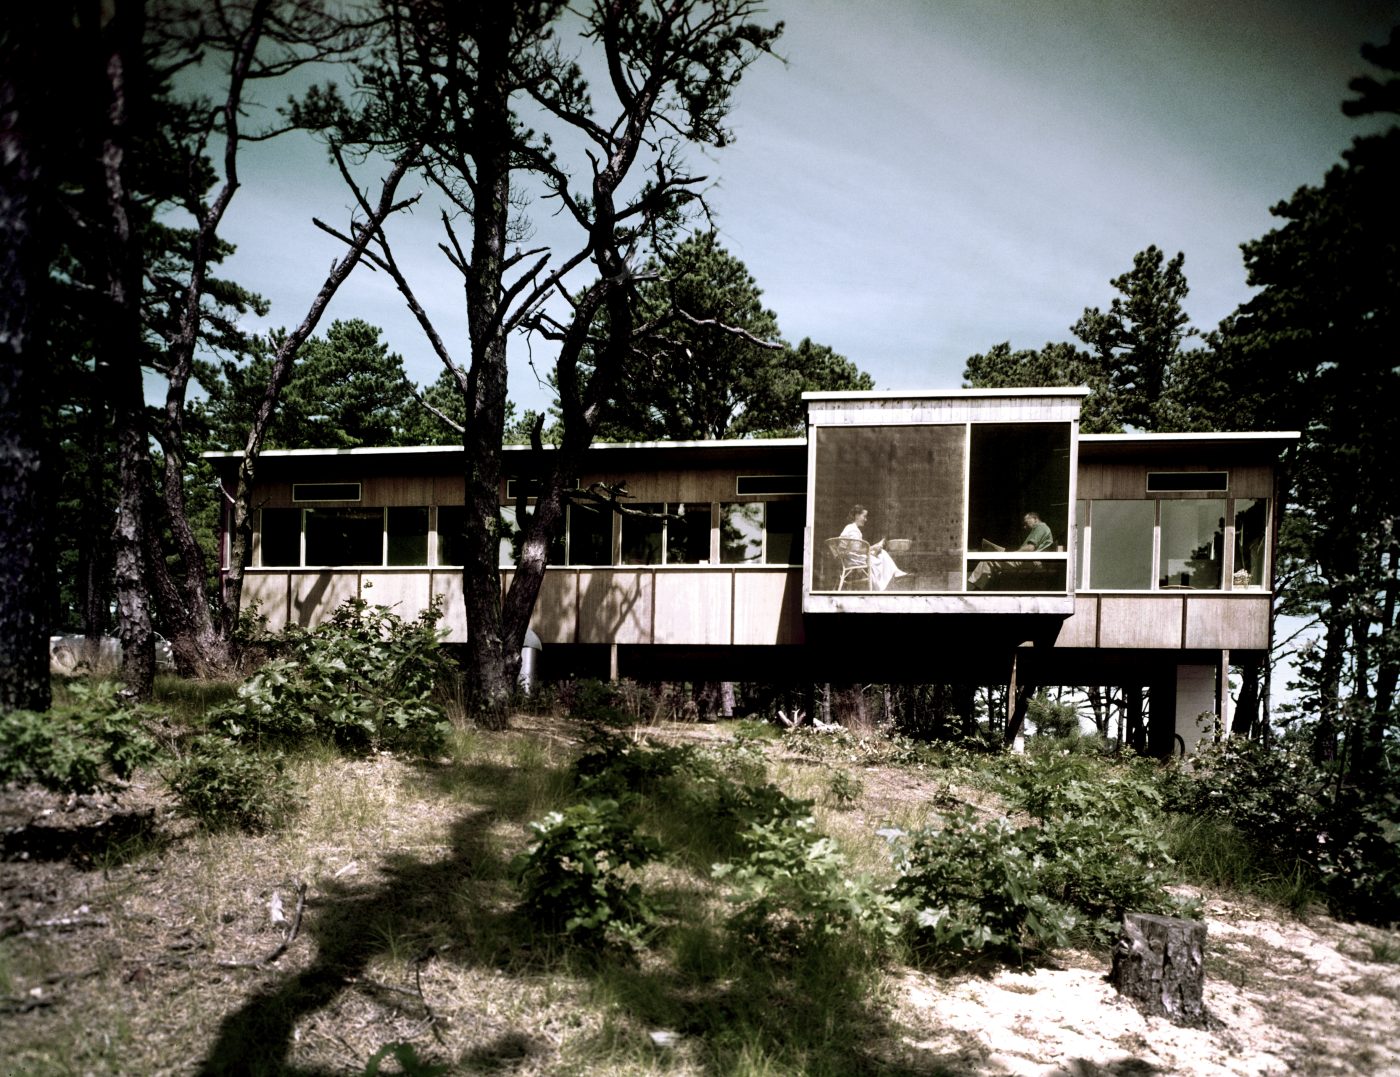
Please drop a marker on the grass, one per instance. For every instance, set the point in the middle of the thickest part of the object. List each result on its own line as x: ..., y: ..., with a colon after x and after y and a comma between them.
x: 411, y: 932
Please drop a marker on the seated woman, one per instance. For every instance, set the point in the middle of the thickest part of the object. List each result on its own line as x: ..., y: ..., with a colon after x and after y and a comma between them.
x: 882, y: 566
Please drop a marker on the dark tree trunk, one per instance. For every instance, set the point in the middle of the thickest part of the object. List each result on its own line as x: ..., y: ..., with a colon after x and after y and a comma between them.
x: 1159, y: 965
x: 24, y: 667
x: 118, y: 267
x: 493, y: 660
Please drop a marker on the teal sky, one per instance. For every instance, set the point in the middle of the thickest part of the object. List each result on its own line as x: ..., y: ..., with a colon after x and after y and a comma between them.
x: 922, y: 180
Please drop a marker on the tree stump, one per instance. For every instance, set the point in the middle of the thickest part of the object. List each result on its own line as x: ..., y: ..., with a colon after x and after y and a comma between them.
x: 1159, y: 965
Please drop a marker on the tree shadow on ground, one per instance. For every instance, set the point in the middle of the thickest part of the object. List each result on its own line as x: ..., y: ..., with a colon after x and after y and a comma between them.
x: 726, y: 1001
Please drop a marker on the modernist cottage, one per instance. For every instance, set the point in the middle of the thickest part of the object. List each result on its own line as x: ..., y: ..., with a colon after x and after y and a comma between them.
x: 965, y: 535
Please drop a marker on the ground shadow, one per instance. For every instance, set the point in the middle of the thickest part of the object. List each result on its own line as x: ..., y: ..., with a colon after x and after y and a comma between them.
x: 722, y: 1012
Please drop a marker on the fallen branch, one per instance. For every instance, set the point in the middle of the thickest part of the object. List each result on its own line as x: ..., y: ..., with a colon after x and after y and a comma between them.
x: 418, y: 982
x: 288, y: 937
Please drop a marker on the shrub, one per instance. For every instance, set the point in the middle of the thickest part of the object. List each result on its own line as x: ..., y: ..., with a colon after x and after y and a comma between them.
x: 576, y: 876
x: 1300, y: 822
x: 1099, y: 842
x: 971, y: 887
x: 363, y: 679
x: 614, y: 766
x: 597, y: 702
x: 791, y: 884
x: 225, y: 786
x: 74, y: 747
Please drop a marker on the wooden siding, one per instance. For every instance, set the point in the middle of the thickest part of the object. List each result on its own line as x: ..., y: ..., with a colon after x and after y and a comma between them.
x: 1146, y: 622
x: 752, y: 607
x: 1113, y: 481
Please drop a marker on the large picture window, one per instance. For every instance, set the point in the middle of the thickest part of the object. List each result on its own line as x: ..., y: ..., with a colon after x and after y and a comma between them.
x: 344, y: 536
x: 1193, y: 544
x: 1174, y: 544
x: 1120, y: 547
x: 930, y: 506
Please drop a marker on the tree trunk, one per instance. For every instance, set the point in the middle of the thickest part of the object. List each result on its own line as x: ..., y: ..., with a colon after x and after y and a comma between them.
x: 117, y: 268
x: 24, y: 666
x: 492, y: 658
x: 1159, y: 965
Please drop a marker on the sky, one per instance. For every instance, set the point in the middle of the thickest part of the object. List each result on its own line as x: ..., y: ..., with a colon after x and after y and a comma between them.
x: 919, y: 180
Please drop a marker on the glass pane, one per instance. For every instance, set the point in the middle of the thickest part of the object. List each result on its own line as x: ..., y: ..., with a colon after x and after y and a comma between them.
x: 1193, y: 544
x: 1120, y: 545
x: 688, y: 538
x: 1018, y: 469
x: 344, y: 536
x: 741, y: 533
x: 1081, y: 523
x: 785, y: 522
x: 909, y: 482
x: 1251, y: 531
x: 280, y: 541
x: 451, y: 529
x: 985, y: 574
x: 590, y: 535
x: 509, y: 540
x: 408, y: 536
x: 641, y: 535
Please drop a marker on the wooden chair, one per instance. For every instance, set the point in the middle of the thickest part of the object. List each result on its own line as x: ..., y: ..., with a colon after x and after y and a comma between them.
x: 853, y: 556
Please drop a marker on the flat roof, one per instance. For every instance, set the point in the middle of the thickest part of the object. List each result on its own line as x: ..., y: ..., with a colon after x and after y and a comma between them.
x: 951, y: 394
x: 392, y: 450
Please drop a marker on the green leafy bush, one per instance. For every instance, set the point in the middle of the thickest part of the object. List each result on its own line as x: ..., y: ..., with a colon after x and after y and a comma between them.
x: 791, y: 884
x: 597, y: 702
x: 1098, y: 838
x: 225, y: 786
x: 973, y: 886
x: 578, y: 876
x: 363, y: 679
x: 1300, y: 820
x: 613, y: 765
x: 75, y: 746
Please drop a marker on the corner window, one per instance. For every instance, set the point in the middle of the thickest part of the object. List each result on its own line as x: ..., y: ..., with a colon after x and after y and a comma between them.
x: 1251, y: 532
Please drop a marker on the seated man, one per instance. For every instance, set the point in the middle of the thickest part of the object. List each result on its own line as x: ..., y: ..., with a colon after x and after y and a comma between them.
x: 1037, y: 538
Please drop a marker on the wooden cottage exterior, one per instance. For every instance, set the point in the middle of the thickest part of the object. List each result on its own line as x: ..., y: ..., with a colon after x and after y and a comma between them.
x: 1158, y: 571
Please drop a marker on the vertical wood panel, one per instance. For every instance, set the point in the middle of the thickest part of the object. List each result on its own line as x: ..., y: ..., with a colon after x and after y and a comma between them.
x: 269, y: 590
x: 316, y: 595
x: 555, y: 619
x: 768, y: 607
x: 1081, y: 628
x: 405, y: 592
x: 614, y: 606
x: 1241, y: 622
x: 454, y: 607
x: 692, y: 607
x: 1140, y: 622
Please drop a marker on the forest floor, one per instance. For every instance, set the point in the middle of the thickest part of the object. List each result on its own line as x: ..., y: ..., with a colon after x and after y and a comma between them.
x: 131, y: 942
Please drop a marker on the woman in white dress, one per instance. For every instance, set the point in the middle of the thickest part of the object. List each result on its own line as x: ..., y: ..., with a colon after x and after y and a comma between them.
x: 882, y: 566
